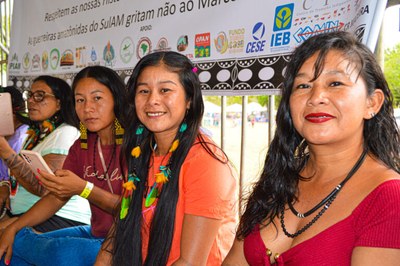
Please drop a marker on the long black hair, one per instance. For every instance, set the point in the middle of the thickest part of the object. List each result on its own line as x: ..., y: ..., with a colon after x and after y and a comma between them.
x: 280, y: 177
x: 126, y: 239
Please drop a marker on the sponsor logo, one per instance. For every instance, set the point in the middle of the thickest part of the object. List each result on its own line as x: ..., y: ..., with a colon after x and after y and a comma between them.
x: 143, y: 48
x: 109, y: 55
x: 283, y: 17
x: 221, y: 42
x: 26, y: 61
x: 282, y: 23
x: 126, y: 50
x: 258, y: 44
x: 236, y: 41
x: 80, y: 57
x: 67, y: 58
x: 45, y: 60
x: 202, y: 45
x: 182, y: 43
x: 162, y: 45
x: 54, y: 58
x: 304, y: 33
x: 14, y: 63
x: 93, y: 58
x: 36, y: 63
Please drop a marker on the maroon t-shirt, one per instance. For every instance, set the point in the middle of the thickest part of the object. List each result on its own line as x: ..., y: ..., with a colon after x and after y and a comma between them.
x: 80, y: 162
x: 375, y: 222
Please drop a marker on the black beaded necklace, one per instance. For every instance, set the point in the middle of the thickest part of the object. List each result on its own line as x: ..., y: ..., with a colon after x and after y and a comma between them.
x: 327, y: 201
x: 94, y: 157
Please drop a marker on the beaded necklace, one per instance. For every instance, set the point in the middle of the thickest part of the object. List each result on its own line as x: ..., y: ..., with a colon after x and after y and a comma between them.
x: 37, y: 134
x: 327, y: 201
x: 161, y: 177
x: 106, y: 169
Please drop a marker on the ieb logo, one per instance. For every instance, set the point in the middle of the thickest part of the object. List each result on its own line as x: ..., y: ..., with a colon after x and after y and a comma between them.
x: 258, y: 45
x: 283, y: 17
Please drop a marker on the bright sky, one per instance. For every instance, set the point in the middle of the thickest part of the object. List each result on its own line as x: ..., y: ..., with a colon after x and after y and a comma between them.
x: 391, y: 26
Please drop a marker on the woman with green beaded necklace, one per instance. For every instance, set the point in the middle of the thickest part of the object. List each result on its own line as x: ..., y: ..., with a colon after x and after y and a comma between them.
x: 180, y: 192
x: 52, y: 132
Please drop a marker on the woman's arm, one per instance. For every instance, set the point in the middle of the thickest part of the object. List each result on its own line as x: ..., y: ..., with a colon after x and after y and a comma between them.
x: 198, y: 235
x: 24, y: 175
x: 366, y: 256
x: 66, y: 184
x: 235, y: 256
x: 21, y: 170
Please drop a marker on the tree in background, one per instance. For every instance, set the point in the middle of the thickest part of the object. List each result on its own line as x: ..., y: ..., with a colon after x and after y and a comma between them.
x: 392, y: 71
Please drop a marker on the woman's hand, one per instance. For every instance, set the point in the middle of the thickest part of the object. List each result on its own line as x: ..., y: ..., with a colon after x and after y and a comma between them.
x: 6, y: 243
x: 64, y: 184
x: 7, y: 221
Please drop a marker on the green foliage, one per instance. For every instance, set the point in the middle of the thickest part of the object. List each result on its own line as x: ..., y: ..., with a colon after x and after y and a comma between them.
x: 392, y: 71
x: 213, y: 99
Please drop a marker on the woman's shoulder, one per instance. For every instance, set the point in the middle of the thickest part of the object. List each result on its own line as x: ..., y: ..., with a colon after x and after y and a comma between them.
x: 385, y: 193
x: 205, y: 147
x: 66, y: 128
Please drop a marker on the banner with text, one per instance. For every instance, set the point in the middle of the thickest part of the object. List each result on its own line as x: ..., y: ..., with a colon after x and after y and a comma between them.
x: 239, y: 46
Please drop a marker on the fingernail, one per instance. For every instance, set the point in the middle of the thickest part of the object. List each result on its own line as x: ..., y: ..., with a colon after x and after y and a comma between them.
x: 36, y: 176
x: 7, y: 262
x: 38, y: 170
x: 40, y: 183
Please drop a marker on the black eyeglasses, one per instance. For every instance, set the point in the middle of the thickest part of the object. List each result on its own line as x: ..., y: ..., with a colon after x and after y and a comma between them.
x: 37, y: 96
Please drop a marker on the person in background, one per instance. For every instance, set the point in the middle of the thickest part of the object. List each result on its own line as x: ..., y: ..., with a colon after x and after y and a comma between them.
x: 21, y: 122
x: 330, y: 189
x: 179, y: 202
x: 51, y: 133
x: 92, y: 170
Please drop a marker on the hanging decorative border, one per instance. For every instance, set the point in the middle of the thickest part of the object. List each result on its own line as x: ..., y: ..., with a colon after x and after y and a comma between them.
x: 249, y: 76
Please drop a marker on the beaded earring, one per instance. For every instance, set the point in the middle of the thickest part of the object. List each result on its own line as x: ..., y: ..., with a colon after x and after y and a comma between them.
x: 160, y: 178
x: 83, y: 137
x: 119, y: 132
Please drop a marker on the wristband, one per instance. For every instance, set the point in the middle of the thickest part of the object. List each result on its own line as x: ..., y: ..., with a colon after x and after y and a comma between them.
x: 5, y: 183
x: 86, y: 191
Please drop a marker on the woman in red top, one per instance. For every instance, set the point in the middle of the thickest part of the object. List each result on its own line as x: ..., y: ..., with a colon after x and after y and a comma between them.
x: 330, y: 188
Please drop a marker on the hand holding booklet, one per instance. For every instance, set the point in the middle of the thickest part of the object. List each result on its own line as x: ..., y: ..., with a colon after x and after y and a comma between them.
x: 35, y: 161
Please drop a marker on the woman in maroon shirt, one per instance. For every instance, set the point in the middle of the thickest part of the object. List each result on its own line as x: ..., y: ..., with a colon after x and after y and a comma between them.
x: 330, y: 188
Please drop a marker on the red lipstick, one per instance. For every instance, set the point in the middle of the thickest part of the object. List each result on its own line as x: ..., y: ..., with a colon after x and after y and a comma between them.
x: 319, y: 117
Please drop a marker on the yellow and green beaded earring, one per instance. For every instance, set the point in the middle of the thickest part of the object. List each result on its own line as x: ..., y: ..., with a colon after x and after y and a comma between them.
x: 83, y: 137
x: 119, y: 132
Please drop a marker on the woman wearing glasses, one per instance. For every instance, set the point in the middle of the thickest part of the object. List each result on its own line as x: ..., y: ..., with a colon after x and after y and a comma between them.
x: 52, y: 132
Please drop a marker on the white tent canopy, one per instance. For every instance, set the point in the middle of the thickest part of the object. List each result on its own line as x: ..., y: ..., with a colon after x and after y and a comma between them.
x: 234, y: 108
x: 211, y: 108
x: 252, y: 107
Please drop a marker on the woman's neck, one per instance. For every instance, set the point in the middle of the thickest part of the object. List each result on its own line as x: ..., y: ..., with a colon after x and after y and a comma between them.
x: 106, y: 138
x: 163, y: 143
